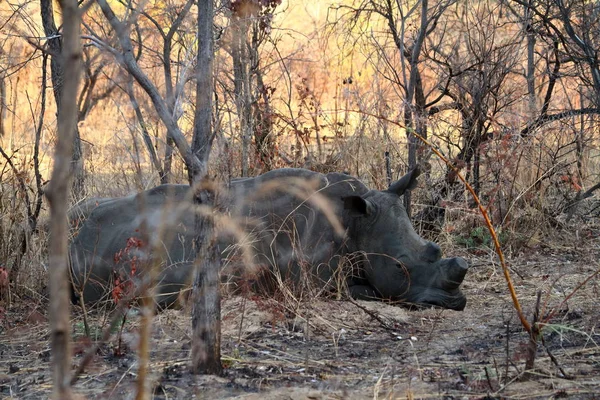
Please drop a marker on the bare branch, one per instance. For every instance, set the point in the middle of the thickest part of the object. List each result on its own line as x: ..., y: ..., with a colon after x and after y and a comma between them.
x: 127, y: 59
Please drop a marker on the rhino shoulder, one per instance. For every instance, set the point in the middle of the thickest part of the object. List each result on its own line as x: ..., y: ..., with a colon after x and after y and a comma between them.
x: 158, y: 196
x: 342, y: 185
x: 82, y: 210
x: 291, y: 173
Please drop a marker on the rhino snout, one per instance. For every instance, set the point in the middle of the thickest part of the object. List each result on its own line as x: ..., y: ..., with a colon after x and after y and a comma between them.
x: 445, y: 291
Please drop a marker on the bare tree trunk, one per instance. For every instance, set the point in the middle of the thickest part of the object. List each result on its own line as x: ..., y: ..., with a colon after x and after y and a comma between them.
x: 206, y: 307
x: 476, y: 171
x: 530, y: 60
x: 262, y: 117
x: 206, y: 310
x: 241, y: 82
x: 57, y: 194
x: 78, y: 184
x: 409, y: 113
x: 168, y: 161
x: 3, y: 105
x: 58, y: 69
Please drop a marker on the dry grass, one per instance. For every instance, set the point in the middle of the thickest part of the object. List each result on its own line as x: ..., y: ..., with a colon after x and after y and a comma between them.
x: 335, y: 349
x: 324, y: 347
x: 300, y: 340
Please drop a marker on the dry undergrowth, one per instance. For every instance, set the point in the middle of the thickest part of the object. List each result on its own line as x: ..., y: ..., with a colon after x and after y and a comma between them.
x: 320, y: 348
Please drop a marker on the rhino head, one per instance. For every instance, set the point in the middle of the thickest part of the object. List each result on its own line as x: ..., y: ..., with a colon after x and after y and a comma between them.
x: 399, y: 264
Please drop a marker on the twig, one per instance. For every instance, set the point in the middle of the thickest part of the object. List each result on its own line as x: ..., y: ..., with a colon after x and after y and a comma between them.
x: 89, y: 355
x: 497, y: 370
x: 533, y: 336
x: 86, y: 324
x: 507, y: 351
x: 582, y: 284
x: 120, y: 341
x: 385, y: 325
x: 489, y: 381
x: 555, y: 361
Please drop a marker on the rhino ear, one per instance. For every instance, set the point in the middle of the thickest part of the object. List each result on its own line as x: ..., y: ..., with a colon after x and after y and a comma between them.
x: 407, y: 182
x: 357, y: 206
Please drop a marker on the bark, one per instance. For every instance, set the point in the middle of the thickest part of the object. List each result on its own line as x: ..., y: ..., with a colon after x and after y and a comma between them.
x: 203, y: 136
x: 421, y: 124
x: 3, y: 104
x: 58, y: 72
x: 206, y: 306
x: 241, y: 83
x: 57, y: 194
x: 262, y: 113
x: 206, y: 298
x: 530, y: 59
x: 388, y: 168
x: 409, y: 114
x: 168, y: 159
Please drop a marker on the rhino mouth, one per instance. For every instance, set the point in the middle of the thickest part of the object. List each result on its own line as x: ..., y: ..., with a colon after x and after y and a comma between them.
x: 453, y: 301
x: 445, y: 291
x: 427, y: 297
x: 437, y: 285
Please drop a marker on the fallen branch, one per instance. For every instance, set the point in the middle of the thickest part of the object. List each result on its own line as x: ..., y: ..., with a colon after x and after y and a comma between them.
x: 555, y: 361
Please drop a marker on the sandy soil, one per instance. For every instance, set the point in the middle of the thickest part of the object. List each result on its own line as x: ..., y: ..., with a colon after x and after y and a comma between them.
x: 329, y: 349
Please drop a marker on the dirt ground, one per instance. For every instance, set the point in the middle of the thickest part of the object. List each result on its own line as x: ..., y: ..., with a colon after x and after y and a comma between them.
x: 329, y: 349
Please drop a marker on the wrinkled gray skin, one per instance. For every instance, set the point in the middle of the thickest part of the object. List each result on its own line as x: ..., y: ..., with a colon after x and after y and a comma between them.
x: 289, y: 232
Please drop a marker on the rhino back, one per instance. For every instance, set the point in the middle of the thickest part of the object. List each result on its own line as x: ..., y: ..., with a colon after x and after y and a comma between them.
x: 293, y: 210
x: 288, y: 213
x: 110, y: 226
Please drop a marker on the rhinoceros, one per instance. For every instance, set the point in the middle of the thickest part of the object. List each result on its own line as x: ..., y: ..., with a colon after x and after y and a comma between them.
x: 296, y: 221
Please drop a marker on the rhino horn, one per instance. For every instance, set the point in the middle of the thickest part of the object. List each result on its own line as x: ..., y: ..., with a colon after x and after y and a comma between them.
x: 456, y: 269
x: 407, y: 182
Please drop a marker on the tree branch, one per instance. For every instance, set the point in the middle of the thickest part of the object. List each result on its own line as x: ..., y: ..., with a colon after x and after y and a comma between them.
x: 547, y: 118
x: 129, y: 62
